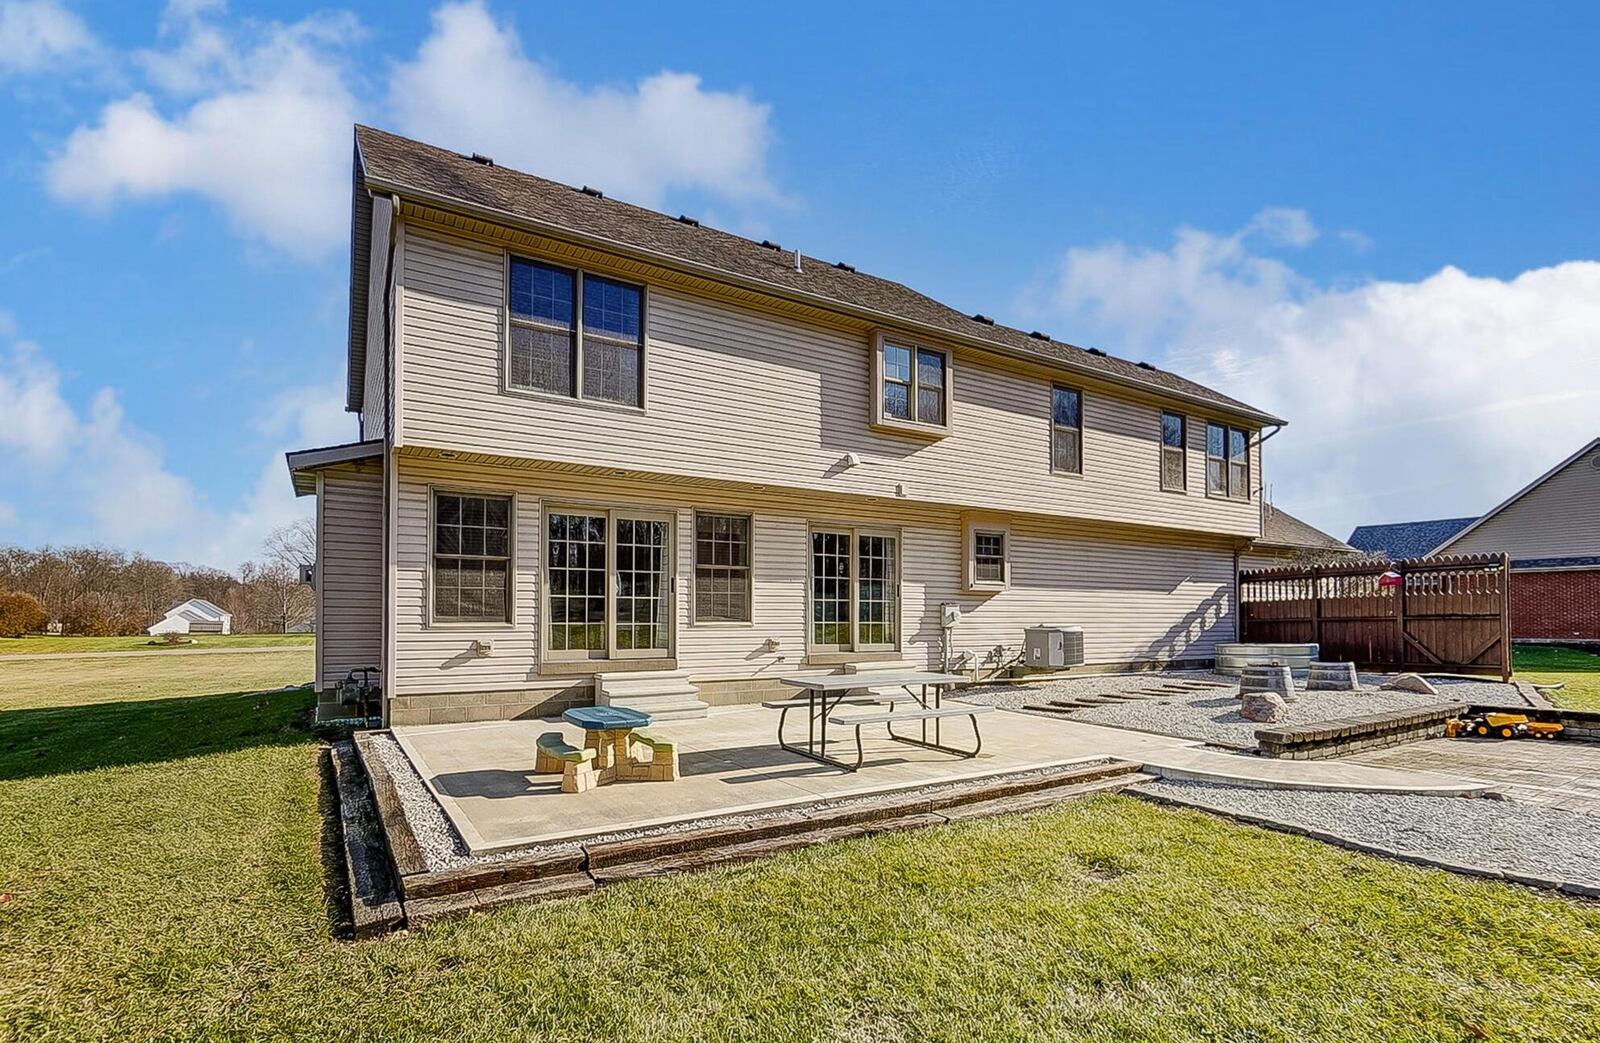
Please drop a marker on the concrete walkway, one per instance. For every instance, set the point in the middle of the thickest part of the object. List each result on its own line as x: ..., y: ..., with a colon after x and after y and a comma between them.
x: 27, y: 657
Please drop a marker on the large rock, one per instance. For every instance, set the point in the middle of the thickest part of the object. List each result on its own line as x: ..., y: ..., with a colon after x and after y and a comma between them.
x: 1263, y: 707
x: 1409, y: 683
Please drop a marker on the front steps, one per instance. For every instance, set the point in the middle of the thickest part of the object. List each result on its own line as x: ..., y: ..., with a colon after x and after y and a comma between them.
x: 666, y: 695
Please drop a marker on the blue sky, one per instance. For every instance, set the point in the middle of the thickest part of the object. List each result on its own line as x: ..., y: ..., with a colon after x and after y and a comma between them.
x: 1381, y: 225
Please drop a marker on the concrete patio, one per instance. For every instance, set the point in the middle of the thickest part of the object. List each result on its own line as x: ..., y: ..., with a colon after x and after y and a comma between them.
x: 482, y: 774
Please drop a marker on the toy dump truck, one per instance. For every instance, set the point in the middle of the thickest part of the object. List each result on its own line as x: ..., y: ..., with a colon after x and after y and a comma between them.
x: 1503, y: 725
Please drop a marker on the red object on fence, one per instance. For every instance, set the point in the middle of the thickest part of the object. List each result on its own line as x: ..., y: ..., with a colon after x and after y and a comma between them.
x: 1391, y: 579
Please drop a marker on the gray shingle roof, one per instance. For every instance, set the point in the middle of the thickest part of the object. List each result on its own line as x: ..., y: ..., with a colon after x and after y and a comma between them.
x: 1279, y: 528
x: 1401, y: 540
x: 406, y: 167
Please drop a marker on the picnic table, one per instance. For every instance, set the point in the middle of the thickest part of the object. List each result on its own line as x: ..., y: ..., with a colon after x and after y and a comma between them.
x: 826, y: 692
x: 606, y: 730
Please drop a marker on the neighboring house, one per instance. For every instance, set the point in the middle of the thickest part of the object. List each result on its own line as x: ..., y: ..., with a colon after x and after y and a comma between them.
x: 195, y: 616
x: 1401, y: 540
x: 601, y: 443
x: 1287, y: 541
x: 1550, y: 529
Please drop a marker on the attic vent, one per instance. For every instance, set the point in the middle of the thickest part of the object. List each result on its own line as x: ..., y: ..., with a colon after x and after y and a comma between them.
x: 686, y: 219
x: 1097, y: 351
x: 1146, y: 365
x: 479, y: 157
x: 983, y: 319
x: 770, y: 245
x: 846, y: 267
x: 586, y: 190
x: 1038, y: 335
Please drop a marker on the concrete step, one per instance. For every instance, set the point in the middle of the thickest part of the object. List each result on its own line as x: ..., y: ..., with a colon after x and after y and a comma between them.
x: 666, y: 695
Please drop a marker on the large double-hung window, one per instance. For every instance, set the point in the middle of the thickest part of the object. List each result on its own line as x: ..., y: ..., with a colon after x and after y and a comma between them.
x: 608, y: 584
x: 574, y: 334
x: 1227, y: 461
x: 855, y: 590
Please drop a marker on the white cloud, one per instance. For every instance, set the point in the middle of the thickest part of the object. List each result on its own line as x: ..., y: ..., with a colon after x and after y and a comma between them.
x: 41, y: 36
x: 269, y: 141
x: 472, y: 87
x: 115, y: 483
x: 1406, y: 400
x: 256, y: 118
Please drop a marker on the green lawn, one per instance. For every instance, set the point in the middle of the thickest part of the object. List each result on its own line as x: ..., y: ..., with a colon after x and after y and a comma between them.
x: 160, y: 878
x: 40, y: 644
x: 1553, y: 664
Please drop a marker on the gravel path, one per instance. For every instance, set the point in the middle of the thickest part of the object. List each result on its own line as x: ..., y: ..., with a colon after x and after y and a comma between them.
x: 1213, y: 716
x: 1495, y: 836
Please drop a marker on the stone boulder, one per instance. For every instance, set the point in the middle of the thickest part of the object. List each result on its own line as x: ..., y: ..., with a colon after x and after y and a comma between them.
x: 1409, y: 683
x: 1263, y: 707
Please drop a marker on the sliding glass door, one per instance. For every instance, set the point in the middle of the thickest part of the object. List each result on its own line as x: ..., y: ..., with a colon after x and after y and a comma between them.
x: 608, y: 582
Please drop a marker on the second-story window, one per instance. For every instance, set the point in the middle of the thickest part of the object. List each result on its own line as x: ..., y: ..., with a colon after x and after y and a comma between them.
x: 1066, y: 430
x: 574, y: 334
x: 1174, y: 452
x: 913, y: 384
x: 1227, y: 461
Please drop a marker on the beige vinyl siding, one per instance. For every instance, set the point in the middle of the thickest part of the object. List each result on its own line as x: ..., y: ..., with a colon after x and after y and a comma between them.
x: 349, y: 572
x: 1560, y: 518
x: 1266, y: 558
x: 740, y: 395
x: 1138, y: 596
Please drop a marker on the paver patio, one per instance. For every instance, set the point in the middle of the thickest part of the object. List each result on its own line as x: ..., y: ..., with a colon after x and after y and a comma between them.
x: 1560, y: 774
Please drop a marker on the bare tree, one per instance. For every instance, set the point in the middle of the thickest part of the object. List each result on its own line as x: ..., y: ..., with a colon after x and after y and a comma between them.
x: 274, y: 596
x: 293, y: 545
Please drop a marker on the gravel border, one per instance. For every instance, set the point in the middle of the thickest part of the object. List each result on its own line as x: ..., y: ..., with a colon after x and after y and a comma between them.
x: 1501, y: 839
x: 1213, y: 716
x: 443, y: 848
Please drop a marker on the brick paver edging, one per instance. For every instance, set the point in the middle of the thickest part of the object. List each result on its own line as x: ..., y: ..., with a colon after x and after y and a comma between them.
x: 1566, y: 887
x: 1345, y: 735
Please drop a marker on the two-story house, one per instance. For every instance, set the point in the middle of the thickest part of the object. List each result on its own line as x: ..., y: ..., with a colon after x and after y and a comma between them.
x: 598, y: 439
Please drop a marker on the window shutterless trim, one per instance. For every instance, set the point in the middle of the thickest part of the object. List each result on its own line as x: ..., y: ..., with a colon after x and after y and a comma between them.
x: 814, y: 650
x: 1054, y: 387
x: 749, y: 569
x: 876, y: 415
x: 433, y: 622
x: 1227, y: 492
x: 567, y: 656
x: 1182, y: 450
x: 577, y: 396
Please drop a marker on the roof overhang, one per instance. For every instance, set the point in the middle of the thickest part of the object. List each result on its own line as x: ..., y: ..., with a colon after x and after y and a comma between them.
x: 554, y: 230
x: 360, y: 259
x: 305, y: 463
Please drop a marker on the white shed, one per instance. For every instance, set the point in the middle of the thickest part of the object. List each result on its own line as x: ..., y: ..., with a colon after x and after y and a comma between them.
x: 195, y: 616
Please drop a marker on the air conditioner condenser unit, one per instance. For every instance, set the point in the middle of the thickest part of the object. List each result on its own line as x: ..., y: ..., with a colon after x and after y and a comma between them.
x: 1052, y: 648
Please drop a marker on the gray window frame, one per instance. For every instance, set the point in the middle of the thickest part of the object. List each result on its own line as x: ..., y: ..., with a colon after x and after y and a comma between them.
x: 579, y: 276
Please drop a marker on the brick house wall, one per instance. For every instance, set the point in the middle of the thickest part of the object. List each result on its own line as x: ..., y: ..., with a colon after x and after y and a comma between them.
x: 1556, y: 604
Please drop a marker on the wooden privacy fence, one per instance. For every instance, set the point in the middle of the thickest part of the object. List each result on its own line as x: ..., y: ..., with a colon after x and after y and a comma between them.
x: 1435, y: 615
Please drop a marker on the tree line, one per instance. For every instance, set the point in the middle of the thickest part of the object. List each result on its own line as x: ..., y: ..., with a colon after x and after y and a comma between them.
x: 98, y: 591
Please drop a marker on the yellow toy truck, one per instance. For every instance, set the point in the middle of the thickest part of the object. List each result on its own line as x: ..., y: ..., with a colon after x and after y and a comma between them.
x: 1504, y: 725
